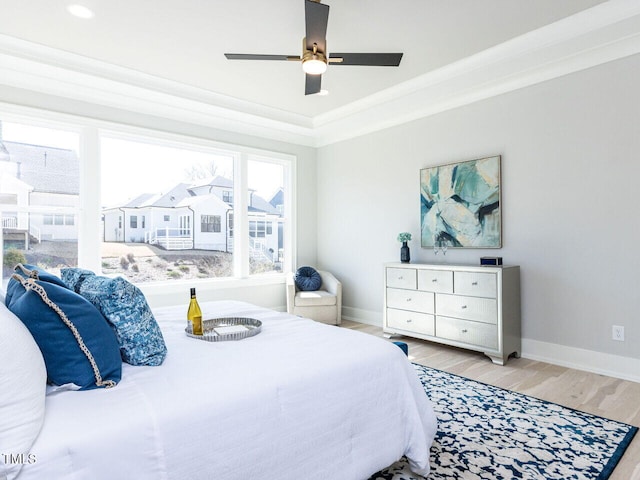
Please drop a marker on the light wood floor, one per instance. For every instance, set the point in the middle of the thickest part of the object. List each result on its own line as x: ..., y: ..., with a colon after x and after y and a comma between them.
x: 597, y: 394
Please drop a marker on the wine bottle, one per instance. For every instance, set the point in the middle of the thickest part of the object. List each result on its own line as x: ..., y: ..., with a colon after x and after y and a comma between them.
x: 194, y: 314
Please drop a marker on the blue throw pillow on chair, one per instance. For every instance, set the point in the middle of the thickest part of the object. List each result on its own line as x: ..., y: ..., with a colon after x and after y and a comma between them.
x: 307, y: 279
x: 77, y: 344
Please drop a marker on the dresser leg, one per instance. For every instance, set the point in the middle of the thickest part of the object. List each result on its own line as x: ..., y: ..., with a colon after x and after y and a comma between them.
x: 497, y: 359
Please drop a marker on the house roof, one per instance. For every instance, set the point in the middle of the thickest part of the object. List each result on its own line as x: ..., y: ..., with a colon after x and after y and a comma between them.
x: 259, y: 204
x: 46, y: 169
x: 217, y: 181
x: 174, y: 196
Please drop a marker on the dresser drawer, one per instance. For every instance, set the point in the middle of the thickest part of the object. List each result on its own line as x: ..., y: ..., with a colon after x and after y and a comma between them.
x: 401, y: 278
x: 440, y: 281
x: 410, y: 300
x: 473, y: 333
x: 469, y: 308
x: 410, y: 321
x: 476, y: 284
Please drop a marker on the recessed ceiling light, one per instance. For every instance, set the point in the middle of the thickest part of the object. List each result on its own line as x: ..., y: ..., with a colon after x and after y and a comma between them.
x: 80, y: 11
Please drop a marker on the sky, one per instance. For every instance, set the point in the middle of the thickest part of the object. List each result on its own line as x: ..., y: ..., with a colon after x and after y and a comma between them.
x: 132, y: 168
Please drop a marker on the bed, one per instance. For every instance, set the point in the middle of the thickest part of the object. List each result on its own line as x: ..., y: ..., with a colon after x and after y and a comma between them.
x: 300, y: 400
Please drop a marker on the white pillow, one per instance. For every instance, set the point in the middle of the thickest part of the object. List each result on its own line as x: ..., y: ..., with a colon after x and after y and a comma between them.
x: 23, y: 382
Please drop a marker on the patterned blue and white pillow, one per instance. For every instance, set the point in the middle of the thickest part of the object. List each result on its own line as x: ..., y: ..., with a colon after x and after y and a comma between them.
x: 126, y: 309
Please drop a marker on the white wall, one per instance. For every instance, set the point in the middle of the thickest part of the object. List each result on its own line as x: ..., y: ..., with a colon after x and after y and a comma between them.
x: 570, y: 168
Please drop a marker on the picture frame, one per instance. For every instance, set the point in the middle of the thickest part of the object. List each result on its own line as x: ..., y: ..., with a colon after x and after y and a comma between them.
x: 460, y: 204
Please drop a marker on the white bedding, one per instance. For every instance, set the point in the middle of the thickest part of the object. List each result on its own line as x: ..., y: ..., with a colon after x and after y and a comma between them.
x: 301, y: 400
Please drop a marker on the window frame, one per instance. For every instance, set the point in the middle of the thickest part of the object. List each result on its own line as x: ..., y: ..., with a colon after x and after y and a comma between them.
x: 88, y: 218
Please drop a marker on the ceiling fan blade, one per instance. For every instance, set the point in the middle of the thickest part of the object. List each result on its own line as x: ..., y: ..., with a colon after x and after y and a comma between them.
x: 316, y: 16
x: 371, y: 59
x: 250, y: 56
x: 312, y: 84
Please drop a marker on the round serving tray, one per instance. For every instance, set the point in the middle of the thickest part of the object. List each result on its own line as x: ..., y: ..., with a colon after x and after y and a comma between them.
x: 227, y: 328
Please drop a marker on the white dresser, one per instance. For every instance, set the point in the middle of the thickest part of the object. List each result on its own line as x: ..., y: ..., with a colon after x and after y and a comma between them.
x: 474, y: 307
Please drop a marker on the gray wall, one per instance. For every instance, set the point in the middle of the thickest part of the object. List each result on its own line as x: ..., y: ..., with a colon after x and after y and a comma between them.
x: 570, y: 169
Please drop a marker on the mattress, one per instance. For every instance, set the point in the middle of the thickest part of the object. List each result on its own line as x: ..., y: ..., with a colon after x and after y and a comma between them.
x: 300, y: 400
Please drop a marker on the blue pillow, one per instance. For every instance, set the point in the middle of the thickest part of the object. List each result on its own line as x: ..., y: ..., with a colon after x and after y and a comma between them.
x: 125, y: 308
x: 307, y: 279
x: 76, y: 342
x: 30, y: 271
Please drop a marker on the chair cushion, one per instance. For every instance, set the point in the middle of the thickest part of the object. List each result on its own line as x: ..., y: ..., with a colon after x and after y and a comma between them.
x: 307, y: 279
x: 314, y: 299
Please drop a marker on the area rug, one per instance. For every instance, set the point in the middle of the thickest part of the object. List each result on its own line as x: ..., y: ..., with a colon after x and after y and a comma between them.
x: 485, y: 432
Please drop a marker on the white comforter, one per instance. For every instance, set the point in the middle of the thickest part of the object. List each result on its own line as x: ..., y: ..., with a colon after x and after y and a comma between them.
x: 301, y: 400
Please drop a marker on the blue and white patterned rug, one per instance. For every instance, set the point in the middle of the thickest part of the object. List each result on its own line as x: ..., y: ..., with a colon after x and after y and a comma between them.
x: 485, y: 432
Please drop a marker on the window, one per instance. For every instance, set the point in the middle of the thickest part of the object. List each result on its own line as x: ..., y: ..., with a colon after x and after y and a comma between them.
x: 267, y: 206
x: 257, y: 229
x: 44, y: 163
x: 210, y: 223
x: 175, y: 196
x: 175, y: 180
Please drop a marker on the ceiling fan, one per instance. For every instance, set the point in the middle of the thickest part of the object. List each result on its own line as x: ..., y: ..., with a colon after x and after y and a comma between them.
x: 314, y: 50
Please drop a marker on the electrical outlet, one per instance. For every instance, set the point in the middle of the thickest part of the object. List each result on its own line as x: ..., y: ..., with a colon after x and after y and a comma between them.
x: 617, y: 333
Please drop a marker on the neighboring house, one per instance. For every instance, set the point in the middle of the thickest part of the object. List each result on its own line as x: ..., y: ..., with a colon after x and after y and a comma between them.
x: 198, y: 216
x: 41, y: 178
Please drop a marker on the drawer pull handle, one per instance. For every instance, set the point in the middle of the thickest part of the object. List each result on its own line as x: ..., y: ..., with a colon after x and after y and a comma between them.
x: 463, y: 307
x: 434, y: 280
x: 400, y: 277
x: 409, y: 320
x: 474, y: 283
x: 409, y: 299
x: 464, y: 330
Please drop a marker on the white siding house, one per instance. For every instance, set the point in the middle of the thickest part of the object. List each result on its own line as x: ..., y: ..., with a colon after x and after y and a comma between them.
x: 195, y: 217
x: 45, y: 180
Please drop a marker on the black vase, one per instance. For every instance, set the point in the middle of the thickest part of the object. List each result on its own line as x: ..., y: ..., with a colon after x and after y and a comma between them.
x: 404, y: 253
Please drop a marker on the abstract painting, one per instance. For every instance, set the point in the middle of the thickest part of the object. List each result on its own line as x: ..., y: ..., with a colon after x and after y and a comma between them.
x: 460, y: 204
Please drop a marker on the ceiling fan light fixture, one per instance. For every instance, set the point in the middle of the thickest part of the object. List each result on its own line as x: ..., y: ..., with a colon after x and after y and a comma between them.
x: 314, y: 66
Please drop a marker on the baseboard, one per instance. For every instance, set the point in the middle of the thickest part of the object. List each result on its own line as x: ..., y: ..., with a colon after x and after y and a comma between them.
x: 361, y: 315
x: 625, y: 368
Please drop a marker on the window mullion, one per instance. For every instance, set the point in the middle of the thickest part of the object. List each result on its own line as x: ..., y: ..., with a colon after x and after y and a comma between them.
x: 241, y: 221
x: 89, y: 226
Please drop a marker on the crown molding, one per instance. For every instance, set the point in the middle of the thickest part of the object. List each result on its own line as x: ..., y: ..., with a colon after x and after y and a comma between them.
x: 603, y: 33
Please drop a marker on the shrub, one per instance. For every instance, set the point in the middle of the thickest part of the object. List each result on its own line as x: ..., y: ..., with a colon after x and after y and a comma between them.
x: 131, y: 257
x: 124, y: 263
x: 135, y: 268
x: 184, y: 268
x: 13, y: 256
x: 173, y: 274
